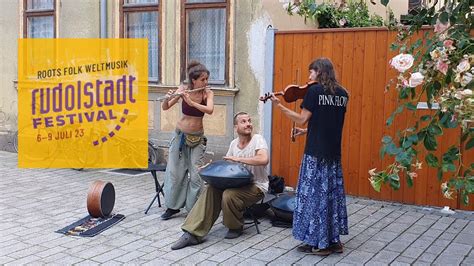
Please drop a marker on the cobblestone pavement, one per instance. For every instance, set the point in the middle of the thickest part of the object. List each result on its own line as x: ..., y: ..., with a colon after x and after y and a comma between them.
x: 36, y: 202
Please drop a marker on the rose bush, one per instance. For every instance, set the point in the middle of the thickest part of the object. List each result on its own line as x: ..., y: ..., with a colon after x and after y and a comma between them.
x: 438, y: 67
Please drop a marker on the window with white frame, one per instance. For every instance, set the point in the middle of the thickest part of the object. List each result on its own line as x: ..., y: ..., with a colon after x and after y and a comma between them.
x: 39, y: 18
x: 206, y: 30
x: 140, y: 19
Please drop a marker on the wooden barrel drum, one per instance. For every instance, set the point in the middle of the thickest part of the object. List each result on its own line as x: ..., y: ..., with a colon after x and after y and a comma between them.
x: 100, y: 199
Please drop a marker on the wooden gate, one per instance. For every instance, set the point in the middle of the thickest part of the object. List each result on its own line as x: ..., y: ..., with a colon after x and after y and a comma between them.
x: 360, y: 57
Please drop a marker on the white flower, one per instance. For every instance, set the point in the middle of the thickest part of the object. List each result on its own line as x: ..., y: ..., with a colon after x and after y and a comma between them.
x: 466, y: 92
x: 463, y: 66
x: 372, y: 171
x: 402, y: 62
x: 418, y: 165
x: 466, y: 79
x: 342, y: 22
x: 412, y: 174
x: 447, y: 193
x: 415, y: 79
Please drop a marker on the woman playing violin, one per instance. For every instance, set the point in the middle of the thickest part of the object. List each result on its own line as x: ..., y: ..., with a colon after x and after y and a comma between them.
x: 320, y: 214
x: 188, y: 143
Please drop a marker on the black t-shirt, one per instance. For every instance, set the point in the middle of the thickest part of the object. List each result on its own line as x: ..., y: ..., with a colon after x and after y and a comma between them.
x: 324, y: 134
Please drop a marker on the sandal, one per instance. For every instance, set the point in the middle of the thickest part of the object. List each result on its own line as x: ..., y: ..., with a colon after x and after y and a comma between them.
x: 337, y: 247
x: 305, y: 248
x: 321, y: 252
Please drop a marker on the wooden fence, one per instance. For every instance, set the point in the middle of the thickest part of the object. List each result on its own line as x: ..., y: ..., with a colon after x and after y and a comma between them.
x: 360, y: 57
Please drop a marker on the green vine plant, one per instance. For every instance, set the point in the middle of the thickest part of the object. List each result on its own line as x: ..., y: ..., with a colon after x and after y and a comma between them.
x: 437, y: 68
x: 347, y: 14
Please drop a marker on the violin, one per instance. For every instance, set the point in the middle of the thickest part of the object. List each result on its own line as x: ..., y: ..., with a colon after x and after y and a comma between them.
x: 291, y: 93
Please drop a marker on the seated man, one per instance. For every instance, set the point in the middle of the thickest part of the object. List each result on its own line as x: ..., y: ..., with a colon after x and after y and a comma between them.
x: 251, y: 150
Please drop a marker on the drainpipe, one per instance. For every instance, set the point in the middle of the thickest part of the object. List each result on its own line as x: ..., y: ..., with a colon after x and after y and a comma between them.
x: 103, y: 18
x: 268, y: 87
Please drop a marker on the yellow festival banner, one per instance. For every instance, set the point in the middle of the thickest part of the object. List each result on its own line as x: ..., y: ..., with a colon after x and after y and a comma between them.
x: 82, y: 103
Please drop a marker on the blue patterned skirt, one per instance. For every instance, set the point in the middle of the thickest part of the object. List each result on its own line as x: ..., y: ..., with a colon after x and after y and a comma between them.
x: 320, y: 213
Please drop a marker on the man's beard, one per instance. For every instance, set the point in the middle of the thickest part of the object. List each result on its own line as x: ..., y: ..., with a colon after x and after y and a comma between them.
x: 245, y: 132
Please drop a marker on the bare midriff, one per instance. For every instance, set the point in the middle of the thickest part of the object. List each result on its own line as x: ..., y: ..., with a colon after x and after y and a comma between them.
x: 190, y: 124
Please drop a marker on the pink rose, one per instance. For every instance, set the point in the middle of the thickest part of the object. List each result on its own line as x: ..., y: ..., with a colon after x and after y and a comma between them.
x: 402, y: 62
x: 442, y: 67
x: 440, y: 27
x: 448, y: 43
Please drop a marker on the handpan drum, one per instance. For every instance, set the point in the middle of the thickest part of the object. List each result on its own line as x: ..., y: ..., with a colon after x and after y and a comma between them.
x: 226, y: 174
x: 100, y: 199
x: 284, y: 206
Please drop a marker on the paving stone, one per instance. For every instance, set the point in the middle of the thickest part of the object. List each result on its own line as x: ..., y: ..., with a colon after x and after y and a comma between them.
x: 433, y: 232
x: 458, y: 249
x: 131, y: 255
x: 314, y: 260
x: 396, y: 228
x: 435, y: 250
x: 109, y: 255
x: 27, y: 252
x: 251, y: 262
x: 417, y: 229
x: 248, y: 252
x: 385, y: 236
x: 427, y: 257
x: 468, y: 261
x: 216, y: 248
x: 287, y: 258
x: 269, y: 254
x: 222, y: 256
x: 24, y: 260
x: 425, y: 222
x: 446, y: 259
x: 403, y: 259
x: 412, y: 252
x: 380, y: 232
x: 5, y: 259
x: 287, y: 243
x: 87, y: 263
x: 465, y: 238
x: 358, y: 257
x: 408, y: 237
x: 373, y: 262
x: 372, y: 246
x: 420, y: 243
x: 386, y: 256
x: 421, y: 263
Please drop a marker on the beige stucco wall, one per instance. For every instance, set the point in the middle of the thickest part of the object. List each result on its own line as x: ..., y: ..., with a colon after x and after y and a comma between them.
x: 79, y: 19
x: 399, y: 7
x: 170, y: 55
x: 9, y: 30
x: 249, y: 20
x: 280, y: 19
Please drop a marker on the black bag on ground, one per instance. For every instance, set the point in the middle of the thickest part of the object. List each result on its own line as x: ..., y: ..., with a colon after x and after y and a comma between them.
x: 276, y: 184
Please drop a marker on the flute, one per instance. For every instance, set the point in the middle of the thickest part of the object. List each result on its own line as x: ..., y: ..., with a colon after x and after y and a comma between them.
x: 166, y: 97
